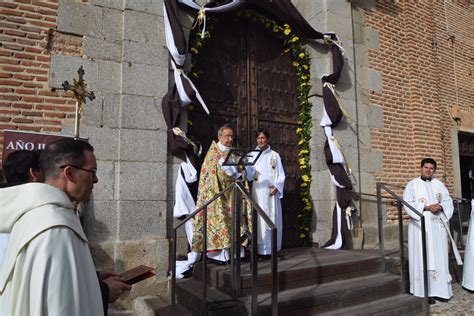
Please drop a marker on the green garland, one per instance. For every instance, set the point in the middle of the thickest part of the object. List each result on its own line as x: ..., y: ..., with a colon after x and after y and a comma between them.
x: 301, y: 61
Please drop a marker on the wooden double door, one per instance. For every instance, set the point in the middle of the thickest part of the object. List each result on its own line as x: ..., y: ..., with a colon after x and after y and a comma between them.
x: 247, y: 80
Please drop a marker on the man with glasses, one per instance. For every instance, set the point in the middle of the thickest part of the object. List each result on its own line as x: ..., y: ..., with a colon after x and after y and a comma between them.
x: 215, y: 177
x: 48, y: 267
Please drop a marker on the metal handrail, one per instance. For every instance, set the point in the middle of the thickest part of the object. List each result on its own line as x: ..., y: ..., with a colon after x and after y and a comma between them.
x: 400, y: 201
x: 457, y: 201
x: 237, y: 189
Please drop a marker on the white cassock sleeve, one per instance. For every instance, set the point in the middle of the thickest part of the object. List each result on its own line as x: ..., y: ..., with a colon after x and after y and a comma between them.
x: 410, y: 198
x: 446, y: 202
x: 280, y: 179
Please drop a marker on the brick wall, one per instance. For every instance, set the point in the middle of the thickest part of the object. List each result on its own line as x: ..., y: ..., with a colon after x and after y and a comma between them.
x: 28, y: 37
x: 426, y: 62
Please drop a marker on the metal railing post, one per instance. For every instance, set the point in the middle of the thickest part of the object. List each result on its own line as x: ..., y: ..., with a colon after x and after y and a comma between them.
x: 400, y: 238
x: 204, y: 263
x: 173, y: 273
x: 425, y: 261
x: 381, y: 228
x: 236, y: 245
x: 275, y: 284
x: 460, y: 235
x: 254, y: 259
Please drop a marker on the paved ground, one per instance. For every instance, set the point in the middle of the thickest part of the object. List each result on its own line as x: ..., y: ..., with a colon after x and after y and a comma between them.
x: 462, y: 303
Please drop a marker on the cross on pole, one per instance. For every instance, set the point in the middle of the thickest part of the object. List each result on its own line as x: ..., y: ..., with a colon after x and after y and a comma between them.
x: 79, y: 88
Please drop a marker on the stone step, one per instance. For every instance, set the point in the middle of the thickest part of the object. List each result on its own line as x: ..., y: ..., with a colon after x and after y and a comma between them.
x: 306, y: 300
x: 189, y: 295
x: 299, y: 267
x: 332, y: 296
x: 158, y: 305
x: 403, y: 304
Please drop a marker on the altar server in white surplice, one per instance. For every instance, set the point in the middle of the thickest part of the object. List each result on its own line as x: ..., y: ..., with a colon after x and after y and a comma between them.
x: 468, y: 271
x: 430, y: 197
x: 267, y: 190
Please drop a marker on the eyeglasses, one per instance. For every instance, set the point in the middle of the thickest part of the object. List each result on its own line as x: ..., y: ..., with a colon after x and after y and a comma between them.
x: 93, y: 172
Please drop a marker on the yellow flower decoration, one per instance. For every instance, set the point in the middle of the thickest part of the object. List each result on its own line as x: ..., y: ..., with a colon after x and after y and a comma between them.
x: 302, y: 235
x: 306, y: 67
x: 294, y: 39
x: 304, y: 151
x: 286, y: 26
x: 301, y: 142
x: 194, y: 50
x: 296, y: 64
x: 298, y: 130
x: 301, y: 55
x: 304, y: 77
x: 305, y: 178
x: 287, y: 31
x: 302, y: 161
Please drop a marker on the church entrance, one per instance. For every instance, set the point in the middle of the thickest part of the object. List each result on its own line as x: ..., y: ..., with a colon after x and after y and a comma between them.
x: 248, y: 81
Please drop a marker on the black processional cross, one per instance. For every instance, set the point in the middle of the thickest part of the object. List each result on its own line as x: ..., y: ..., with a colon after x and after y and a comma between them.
x: 79, y: 88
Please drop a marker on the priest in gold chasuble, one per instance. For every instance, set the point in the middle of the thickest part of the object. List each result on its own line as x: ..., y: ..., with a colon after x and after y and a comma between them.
x: 213, y: 179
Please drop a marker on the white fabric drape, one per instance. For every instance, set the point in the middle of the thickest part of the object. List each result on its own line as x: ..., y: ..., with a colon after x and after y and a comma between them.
x: 338, y: 242
x: 185, y: 205
x: 177, y: 63
x: 468, y: 272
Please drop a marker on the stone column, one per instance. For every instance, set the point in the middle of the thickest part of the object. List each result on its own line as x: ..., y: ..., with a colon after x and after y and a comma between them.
x: 126, y: 65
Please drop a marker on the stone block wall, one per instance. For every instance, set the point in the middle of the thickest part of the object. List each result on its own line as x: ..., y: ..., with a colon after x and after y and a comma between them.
x: 121, y: 46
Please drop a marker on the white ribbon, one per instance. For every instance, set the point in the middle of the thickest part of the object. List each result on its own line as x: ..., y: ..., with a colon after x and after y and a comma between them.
x: 177, y: 57
x: 221, y: 8
x: 185, y: 100
x: 328, y: 40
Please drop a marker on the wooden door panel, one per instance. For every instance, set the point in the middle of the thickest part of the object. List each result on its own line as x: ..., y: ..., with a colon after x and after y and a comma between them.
x: 278, y: 111
x: 248, y: 81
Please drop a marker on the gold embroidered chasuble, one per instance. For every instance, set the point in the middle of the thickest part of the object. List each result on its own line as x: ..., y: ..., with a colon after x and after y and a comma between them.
x: 213, y: 180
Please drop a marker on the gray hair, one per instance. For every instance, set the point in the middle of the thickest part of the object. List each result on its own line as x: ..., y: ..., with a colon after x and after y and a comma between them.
x: 222, y: 128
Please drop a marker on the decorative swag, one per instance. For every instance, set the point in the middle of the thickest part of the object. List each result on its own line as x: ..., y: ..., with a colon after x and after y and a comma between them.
x: 183, y: 92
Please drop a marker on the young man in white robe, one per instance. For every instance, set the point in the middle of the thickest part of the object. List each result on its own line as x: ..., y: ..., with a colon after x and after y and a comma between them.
x: 48, y: 268
x: 267, y: 190
x: 429, y: 197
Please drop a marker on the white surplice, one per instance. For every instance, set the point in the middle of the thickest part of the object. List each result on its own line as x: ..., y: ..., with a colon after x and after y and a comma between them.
x: 468, y: 272
x: 3, y: 246
x: 419, y: 193
x: 268, y: 172
x: 48, y: 268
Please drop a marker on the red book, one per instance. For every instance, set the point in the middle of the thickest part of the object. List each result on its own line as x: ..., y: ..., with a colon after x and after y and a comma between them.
x: 137, y: 274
